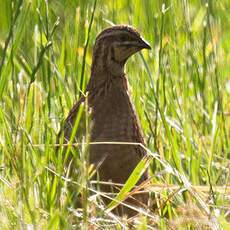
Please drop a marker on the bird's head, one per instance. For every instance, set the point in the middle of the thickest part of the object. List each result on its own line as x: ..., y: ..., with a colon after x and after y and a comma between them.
x: 115, y: 45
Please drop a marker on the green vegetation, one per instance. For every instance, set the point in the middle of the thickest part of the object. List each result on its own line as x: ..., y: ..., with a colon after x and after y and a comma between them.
x: 181, y: 89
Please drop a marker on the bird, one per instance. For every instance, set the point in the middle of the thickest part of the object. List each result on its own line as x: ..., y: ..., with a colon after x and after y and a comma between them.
x: 113, y: 117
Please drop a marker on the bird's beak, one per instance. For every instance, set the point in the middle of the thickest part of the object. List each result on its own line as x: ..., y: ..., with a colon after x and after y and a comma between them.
x: 144, y: 44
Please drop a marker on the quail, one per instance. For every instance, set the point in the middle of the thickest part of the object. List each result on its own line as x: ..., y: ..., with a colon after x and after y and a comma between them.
x: 113, y: 117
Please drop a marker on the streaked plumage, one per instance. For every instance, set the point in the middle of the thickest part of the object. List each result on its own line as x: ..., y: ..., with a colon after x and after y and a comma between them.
x: 113, y: 117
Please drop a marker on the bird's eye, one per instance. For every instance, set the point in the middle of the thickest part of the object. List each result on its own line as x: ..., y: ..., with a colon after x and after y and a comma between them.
x: 123, y: 38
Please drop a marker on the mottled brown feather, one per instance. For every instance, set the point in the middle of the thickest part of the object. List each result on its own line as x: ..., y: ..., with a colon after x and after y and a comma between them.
x: 113, y: 118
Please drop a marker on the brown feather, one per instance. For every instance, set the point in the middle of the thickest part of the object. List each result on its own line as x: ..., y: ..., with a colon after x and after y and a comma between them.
x: 113, y: 117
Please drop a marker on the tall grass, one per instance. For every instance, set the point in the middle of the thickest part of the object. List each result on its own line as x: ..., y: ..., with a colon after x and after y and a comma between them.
x: 181, y: 90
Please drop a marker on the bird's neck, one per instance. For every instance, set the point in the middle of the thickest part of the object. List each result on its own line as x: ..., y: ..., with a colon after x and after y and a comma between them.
x: 104, y: 82
x: 104, y: 67
x: 102, y: 75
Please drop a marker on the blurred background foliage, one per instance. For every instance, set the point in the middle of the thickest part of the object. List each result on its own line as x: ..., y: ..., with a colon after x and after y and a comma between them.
x: 181, y: 90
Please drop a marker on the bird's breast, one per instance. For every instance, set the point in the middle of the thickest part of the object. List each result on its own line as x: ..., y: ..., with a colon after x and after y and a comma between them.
x: 114, y: 120
x: 113, y: 116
